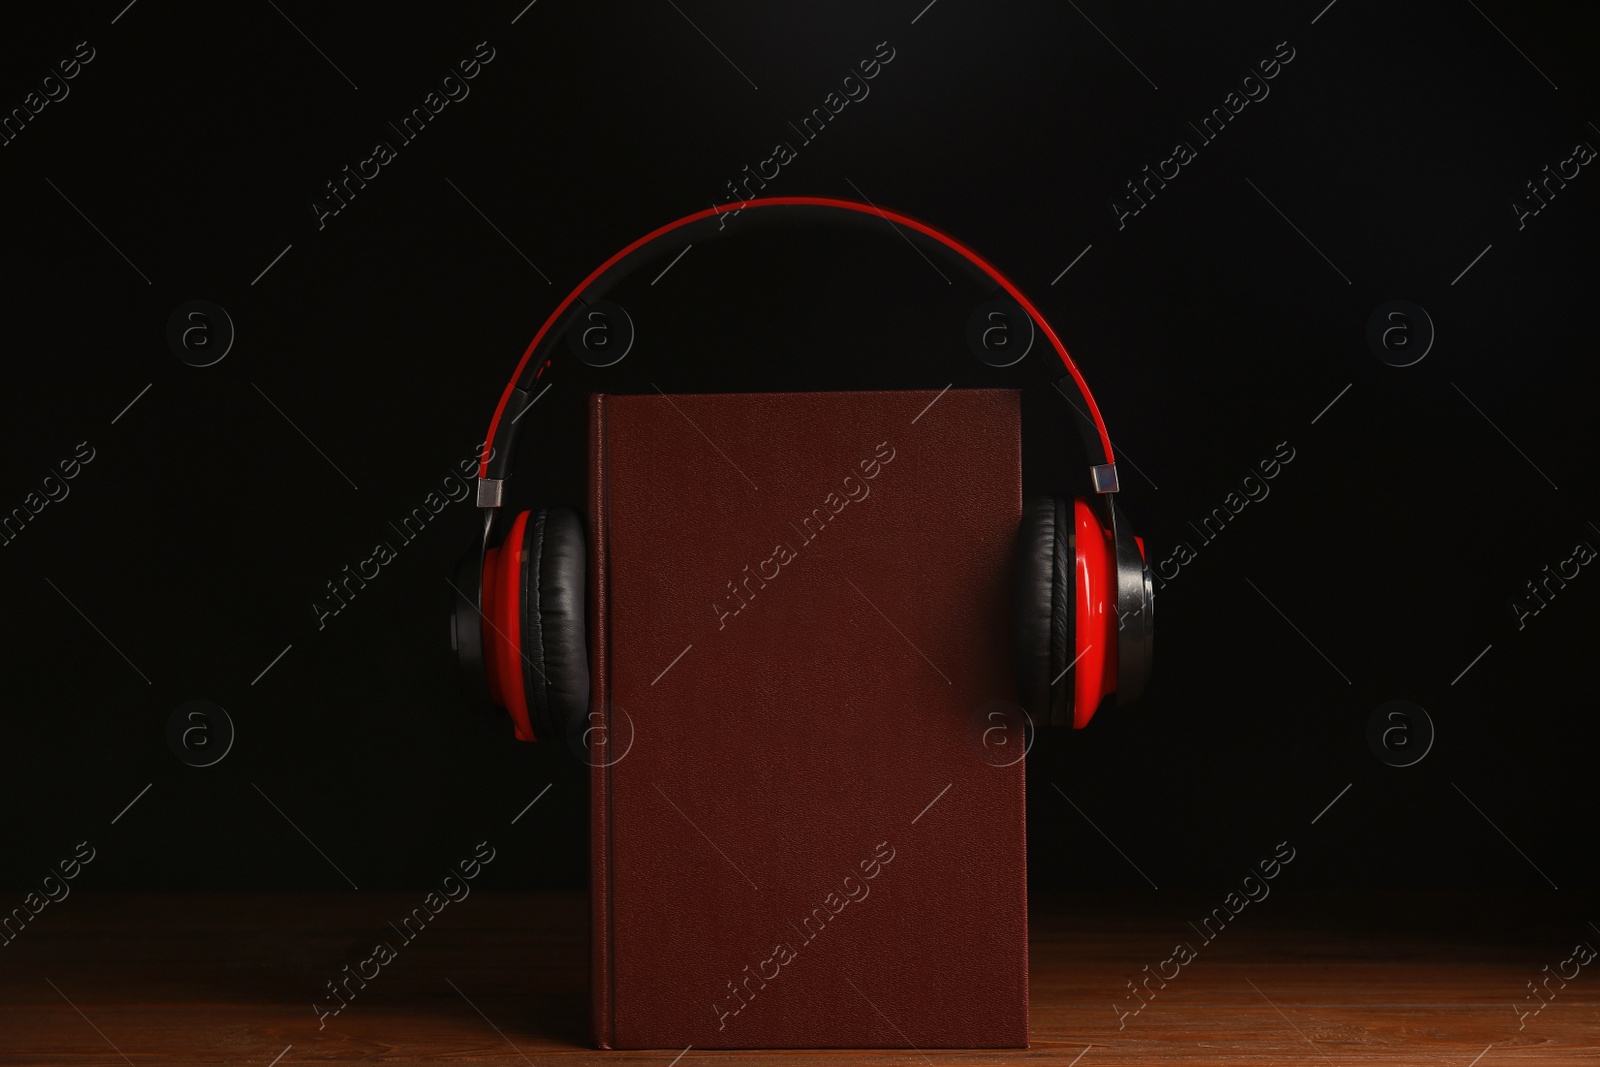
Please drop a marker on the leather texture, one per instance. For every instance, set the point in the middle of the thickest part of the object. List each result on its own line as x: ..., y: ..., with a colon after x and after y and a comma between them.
x: 801, y: 609
x: 1063, y: 628
x: 1043, y: 610
x: 555, y: 649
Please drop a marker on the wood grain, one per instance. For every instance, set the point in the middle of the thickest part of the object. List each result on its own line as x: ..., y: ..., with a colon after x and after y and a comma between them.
x: 502, y: 979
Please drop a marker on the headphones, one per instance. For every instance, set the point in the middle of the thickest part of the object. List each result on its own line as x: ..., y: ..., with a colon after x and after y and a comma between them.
x: 1083, y: 603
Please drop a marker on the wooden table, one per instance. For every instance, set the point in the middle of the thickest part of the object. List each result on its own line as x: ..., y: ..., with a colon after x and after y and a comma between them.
x: 502, y: 978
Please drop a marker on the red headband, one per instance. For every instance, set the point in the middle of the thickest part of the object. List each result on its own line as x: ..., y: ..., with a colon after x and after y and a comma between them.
x: 803, y: 201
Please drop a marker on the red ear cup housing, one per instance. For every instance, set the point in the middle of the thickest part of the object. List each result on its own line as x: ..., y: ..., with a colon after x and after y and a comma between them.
x: 1072, y: 633
x: 1095, y: 639
x: 502, y: 627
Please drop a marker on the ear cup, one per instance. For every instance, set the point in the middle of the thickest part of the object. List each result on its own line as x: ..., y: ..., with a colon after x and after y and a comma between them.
x: 555, y: 653
x: 1042, y: 614
x: 1095, y: 614
x: 502, y: 627
x: 1135, y: 609
x: 1081, y: 611
x: 466, y: 633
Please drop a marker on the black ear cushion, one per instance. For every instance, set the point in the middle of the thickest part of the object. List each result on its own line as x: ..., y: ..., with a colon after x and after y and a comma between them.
x: 1063, y: 617
x: 1042, y: 615
x: 554, y: 637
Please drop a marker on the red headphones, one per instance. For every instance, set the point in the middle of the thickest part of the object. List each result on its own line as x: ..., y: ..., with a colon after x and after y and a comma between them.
x: 1083, y: 599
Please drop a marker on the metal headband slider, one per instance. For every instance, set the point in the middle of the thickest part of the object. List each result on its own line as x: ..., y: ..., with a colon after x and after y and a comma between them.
x: 1104, y: 474
x: 492, y: 490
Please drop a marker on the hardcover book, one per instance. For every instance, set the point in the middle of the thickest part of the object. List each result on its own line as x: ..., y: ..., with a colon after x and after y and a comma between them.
x: 807, y: 824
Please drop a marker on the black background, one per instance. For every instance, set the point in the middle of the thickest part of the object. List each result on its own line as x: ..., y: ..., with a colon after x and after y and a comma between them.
x: 1211, y: 330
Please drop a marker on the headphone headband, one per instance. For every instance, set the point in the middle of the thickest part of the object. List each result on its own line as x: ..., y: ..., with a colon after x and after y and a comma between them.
x: 493, y: 465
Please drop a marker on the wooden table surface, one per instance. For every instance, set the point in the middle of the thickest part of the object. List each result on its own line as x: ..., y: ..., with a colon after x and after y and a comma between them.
x: 502, y: 979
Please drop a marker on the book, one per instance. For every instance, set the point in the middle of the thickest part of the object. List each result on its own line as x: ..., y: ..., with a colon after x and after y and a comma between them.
x: 807, y: 825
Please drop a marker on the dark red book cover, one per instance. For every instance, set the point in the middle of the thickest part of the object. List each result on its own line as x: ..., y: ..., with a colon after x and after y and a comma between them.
x: 802, y: 836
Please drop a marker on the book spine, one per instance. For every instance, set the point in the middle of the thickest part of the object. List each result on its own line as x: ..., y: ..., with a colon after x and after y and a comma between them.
x: 600, y: 911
